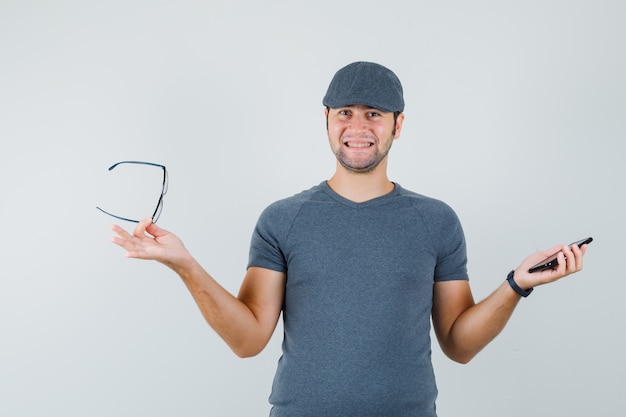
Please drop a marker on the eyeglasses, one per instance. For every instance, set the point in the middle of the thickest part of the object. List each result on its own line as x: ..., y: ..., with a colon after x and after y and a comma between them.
x: 159, y: 207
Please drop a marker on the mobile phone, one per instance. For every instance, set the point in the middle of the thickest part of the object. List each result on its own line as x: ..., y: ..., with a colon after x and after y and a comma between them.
x: 551, y: 261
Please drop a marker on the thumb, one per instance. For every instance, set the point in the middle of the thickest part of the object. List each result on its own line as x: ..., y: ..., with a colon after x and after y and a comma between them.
x: 140, y: 229
x: 155, y: 230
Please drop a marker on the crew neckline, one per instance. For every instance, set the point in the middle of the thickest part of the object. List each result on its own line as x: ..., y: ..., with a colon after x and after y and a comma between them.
x: 371, y: 202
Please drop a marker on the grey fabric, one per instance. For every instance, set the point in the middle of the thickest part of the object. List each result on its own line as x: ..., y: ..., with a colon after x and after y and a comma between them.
x: 358, y: 299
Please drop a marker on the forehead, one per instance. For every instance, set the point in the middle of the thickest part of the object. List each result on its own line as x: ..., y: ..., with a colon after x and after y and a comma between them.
x: 359, y: 107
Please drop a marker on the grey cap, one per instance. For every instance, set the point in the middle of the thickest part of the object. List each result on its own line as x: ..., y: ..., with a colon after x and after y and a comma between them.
x: 365, y: 83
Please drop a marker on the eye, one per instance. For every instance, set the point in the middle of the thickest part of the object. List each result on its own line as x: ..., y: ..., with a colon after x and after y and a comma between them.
x: 373, y: 114
x: 344, y: 112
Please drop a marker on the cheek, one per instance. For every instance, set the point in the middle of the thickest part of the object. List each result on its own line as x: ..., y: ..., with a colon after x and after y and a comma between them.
x: 383, y: 132
x: 335, y: 131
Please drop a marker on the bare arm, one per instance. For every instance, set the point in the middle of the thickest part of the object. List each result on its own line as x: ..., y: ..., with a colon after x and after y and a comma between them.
x: 247, y: 322
x: 464, y: 328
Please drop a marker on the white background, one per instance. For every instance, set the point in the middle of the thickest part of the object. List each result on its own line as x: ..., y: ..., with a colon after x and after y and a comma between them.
x: 515, y: 116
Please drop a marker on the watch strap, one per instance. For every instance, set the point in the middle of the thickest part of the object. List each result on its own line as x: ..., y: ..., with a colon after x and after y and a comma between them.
x: 516, y: 288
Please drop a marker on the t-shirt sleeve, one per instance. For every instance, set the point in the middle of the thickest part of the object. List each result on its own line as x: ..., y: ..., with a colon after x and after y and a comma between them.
x: 452, y: 252
x: 267, y: 238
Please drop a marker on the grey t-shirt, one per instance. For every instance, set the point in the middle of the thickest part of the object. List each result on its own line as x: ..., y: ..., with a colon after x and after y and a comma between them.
x: 358, y: 299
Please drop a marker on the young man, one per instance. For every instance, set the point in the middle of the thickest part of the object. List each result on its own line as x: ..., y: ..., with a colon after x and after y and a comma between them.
x: 357, y: 265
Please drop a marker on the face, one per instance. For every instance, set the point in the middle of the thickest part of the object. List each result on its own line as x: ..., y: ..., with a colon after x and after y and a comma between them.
x: 361, y: 136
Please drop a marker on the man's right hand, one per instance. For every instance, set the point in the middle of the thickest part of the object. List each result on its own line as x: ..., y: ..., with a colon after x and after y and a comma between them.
x: 149, y: 241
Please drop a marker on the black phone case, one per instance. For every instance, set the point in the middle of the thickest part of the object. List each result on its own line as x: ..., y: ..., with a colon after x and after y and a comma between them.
x: 551, y: 261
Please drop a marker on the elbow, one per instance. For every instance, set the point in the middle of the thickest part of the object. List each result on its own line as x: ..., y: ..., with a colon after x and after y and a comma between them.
x: 462, y: 359
x: 243, y: 354
x: 248, y: 346
x: 461, y: 356
x: 246, y: 351
x: 460, y: 350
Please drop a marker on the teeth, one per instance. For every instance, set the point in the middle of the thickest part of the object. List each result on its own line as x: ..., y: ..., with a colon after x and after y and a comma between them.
x: 358, y: 144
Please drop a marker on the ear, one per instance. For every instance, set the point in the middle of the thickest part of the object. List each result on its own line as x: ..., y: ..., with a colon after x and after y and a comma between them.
x: 326, y: 117
x: 399, y: 122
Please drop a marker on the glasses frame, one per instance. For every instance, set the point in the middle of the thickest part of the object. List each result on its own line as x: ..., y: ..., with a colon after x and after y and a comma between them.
x: 159, y: 208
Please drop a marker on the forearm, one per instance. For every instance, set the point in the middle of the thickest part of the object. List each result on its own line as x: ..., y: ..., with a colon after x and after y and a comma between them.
x: 231, y: 319
x: 464, y: 328
x: 479, y: 324
x: 246, y: 322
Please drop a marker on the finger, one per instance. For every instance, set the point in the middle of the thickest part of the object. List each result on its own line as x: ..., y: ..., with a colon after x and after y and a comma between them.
x: 122, y: 235
x: 124, y: 239
x: 570, y: 260
x: 140, y: 230
x: 156, y: 231
x: 552, y: 250
x: 547, y: 253
x: 578, y: 256
x: 121, y: 232
x: 574, y: 260
x: 134, y: 247
x: 561, y: 259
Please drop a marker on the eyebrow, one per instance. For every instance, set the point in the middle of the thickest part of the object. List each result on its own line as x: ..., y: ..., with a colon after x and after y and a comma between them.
x: 366, y: 107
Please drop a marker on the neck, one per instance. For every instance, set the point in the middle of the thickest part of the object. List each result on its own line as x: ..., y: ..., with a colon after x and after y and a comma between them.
x: 360, y: 187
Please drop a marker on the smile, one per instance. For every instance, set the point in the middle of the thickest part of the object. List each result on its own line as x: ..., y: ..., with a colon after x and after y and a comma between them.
x: 358, y: 144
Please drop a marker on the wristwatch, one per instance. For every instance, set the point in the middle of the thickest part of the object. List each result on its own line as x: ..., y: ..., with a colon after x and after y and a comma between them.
x: 516, y: 288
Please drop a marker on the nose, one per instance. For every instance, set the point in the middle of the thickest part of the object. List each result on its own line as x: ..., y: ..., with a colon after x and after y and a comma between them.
x: 358, y: 124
